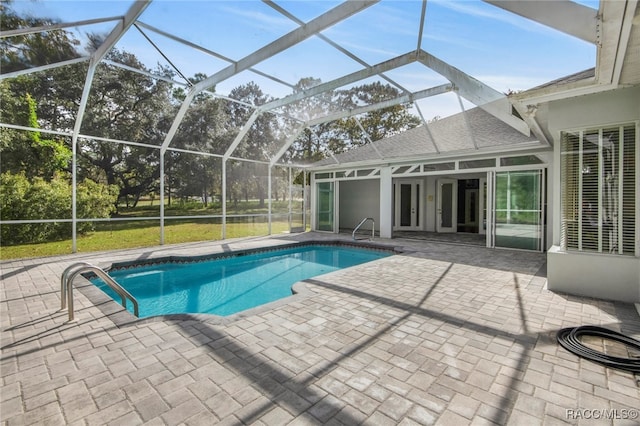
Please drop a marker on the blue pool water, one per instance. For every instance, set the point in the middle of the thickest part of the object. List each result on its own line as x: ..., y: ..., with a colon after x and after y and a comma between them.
x: 232, y: 284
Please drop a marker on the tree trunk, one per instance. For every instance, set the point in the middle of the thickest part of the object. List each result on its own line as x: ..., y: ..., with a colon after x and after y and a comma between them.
x: 261, y: 196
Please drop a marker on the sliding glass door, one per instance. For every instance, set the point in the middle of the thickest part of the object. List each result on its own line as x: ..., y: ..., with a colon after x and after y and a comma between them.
x: 518, y: 216
x: 325, y: 206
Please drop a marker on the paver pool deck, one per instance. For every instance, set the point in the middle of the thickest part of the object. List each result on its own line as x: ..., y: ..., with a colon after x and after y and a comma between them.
x: 440, y: 334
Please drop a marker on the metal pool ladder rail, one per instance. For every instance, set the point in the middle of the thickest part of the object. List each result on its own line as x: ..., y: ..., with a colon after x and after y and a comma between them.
x: 66, y: 286
x: 373, y: 228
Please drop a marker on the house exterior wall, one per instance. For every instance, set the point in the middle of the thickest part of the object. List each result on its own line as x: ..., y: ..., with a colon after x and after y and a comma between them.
x: 606, y: 276
x: 591, y: 274
x: 594, y: 275
x: 359, y: 199
x: 606, y: 108
x: 352, y: 205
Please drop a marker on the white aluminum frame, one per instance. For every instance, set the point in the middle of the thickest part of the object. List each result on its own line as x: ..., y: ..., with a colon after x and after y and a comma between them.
x: 568, y: 17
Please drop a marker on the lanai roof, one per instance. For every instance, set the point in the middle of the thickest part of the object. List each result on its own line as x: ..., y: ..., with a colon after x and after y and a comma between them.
x: 443, y: 57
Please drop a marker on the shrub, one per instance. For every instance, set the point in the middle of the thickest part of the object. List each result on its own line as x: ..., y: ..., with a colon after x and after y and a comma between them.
x: 24, y: 199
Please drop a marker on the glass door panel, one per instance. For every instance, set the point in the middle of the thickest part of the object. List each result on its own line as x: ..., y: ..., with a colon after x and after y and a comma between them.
x: 325, y: 210
x: 447, y: 220
x: 518, y: 209
x: 405, y: 204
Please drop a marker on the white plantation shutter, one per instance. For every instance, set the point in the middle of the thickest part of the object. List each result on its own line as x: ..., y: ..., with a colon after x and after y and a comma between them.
x: 598, y: 190
x: 629, y: 188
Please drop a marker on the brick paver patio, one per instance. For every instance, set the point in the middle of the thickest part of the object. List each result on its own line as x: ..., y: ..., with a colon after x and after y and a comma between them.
x: 441, y: 334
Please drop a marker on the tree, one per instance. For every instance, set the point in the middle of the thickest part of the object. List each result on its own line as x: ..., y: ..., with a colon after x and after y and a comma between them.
x: 26, y: 100
x: 23, y: 198
x: 378, y: 124
x: 203, y: 129
x: 57, y: 90
x: 131, y: 107
x: 35, y: 49
x: 249, y: 177
x: 344, y: 134
x: 28, y: 151
x: 311, y: 144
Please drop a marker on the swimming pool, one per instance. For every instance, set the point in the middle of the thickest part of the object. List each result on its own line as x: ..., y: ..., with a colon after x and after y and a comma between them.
x: 228, y: 285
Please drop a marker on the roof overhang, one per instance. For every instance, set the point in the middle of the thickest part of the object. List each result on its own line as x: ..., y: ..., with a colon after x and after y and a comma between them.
x: 533, y: 147
x: 616, y: 44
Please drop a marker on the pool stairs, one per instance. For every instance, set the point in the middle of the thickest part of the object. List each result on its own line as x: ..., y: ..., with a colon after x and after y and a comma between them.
x: 66, y: 286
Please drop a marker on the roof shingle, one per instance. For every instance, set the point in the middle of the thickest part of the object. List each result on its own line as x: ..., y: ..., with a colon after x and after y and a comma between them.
x: 471, y: 129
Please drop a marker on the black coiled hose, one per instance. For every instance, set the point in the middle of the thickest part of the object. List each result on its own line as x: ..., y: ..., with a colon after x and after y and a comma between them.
x: 569, y: 338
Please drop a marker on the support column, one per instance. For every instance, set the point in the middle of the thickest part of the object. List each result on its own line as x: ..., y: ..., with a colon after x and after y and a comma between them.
x: 224, y: 199
x: 290, y: 215
x: 305, y: 195
x: 386, y: 203
x: 312, y: 201
x: 162, y: 197
x: 269, y: 195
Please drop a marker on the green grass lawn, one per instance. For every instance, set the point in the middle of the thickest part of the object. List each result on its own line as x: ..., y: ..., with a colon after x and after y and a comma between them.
x: 146, y: 208
x: 123, y: 235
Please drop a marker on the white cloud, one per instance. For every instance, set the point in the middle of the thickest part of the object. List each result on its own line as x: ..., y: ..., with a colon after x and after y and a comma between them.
x: 275, y: 23
x: 483, y: 10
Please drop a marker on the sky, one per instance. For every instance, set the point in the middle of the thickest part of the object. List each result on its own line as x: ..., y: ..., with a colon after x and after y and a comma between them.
x: 502, y: 50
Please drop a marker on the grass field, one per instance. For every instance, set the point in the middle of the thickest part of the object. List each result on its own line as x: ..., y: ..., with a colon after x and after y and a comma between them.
x: 141, y: 236
x: 124, y: 234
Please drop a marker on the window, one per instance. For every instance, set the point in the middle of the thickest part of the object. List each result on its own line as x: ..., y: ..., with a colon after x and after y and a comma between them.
x: 401, y: 170
x: 439, y: 166
x: 598, y: 190
x: 365, y: 172
x: 520, y: 160
x: 477, y: 164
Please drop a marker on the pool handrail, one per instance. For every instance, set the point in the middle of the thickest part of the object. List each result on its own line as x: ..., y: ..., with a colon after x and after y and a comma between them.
x: 373, y: 228
x: 66, y: 286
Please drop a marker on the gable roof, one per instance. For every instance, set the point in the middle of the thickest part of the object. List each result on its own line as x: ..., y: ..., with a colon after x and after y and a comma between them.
x: 474, y: 129
x: 582, y: 76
